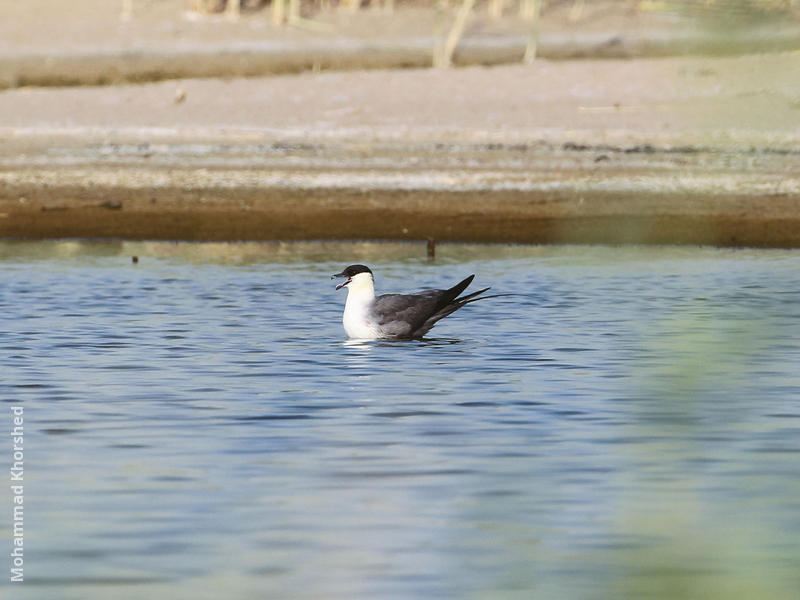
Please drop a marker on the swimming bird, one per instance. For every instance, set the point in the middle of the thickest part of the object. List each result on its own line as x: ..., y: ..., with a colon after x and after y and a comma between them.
x: 396, y: 316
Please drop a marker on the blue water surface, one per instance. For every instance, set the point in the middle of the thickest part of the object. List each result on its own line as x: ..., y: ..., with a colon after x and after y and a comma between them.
x: 625, y: 425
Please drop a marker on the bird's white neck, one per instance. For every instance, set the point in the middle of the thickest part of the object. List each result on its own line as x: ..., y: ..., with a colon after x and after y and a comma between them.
x: 361, y: 288
x: 360, y: 295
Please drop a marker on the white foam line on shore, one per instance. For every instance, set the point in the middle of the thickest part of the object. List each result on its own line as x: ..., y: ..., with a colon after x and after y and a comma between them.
x: 430, y: 180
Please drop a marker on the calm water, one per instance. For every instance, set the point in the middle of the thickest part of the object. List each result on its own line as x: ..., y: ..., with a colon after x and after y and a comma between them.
x: 196, y: 426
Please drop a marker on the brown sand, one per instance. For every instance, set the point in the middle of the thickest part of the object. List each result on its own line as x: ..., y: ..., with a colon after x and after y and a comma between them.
x: 652, y: 150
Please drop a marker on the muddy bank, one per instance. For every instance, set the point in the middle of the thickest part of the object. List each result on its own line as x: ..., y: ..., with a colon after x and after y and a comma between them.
x: 398, y: 218
x: 43, y: 43
x: 484, y: 193
x: 675, y: 150
x: 107, y: 66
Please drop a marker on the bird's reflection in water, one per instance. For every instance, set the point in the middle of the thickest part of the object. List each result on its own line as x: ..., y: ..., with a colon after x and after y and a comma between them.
x: 357, y: 357
x: 426, y: 342
x: 369, y: 357
x: 372, y: 354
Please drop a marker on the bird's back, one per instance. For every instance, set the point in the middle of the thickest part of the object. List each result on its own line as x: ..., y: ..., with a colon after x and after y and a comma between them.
x: 413, y: 315
x: 401, y: 315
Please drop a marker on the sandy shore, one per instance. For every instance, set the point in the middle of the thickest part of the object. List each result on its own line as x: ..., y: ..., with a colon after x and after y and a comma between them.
x: 651, y: 150
x: 46, y: 43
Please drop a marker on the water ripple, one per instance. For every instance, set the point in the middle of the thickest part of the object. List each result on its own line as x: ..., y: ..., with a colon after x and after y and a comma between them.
x: 196, y: 425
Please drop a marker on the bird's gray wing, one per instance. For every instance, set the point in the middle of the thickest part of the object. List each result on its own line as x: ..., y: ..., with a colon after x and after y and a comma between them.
x: 402, y: 314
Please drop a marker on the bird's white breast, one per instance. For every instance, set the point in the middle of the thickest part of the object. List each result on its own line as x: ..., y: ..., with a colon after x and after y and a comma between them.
x: 356, y: 320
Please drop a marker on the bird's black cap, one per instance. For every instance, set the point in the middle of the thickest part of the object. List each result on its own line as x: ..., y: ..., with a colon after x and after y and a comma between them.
x: 353, y: 270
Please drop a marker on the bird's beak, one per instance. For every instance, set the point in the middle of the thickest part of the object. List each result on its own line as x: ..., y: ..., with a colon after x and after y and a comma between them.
x: 344, y: 283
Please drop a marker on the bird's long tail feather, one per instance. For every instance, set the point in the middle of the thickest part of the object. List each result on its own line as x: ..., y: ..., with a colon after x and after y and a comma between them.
x: 472, y: 297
